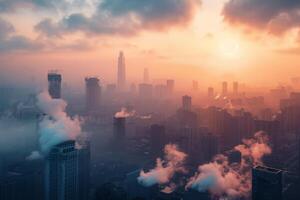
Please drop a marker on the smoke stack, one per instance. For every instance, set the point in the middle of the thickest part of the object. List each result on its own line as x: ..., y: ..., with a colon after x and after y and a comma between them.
x: 119, y: 127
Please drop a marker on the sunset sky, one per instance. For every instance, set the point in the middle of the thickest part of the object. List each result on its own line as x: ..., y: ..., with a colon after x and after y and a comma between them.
x: 254, y: 41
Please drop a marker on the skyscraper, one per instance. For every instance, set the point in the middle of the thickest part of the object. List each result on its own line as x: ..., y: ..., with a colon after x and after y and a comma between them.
x: 61, y: 172
x: 266, y: 183
x: 235, y: 88
x: 93, y: 94
x: 121, y: 72
x: 146, y: 75
x: 119, y: 127
x: 224, y: 88
x: 210, y: 92
x: 67, y: 172
x: 187, y: 103
x: 54, y: 85
x: 170, y: 86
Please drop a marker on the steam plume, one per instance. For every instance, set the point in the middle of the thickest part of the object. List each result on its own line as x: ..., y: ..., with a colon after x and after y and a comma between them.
x: 165, y: 169
x: 231, y: 181
x: 56, y: 127
x: 125, y: 113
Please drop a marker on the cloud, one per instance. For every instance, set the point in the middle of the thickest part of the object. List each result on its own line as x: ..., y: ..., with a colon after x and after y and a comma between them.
x: 231, y: 180
x: 165, y: 169
x: 10, y: 41
x: 126, y: 19
x: 56, y: 127
x: 274, y: 16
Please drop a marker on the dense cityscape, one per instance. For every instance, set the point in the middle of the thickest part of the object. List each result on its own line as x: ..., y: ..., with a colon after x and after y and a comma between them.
x: 149, y: 100
x: 122, y: 141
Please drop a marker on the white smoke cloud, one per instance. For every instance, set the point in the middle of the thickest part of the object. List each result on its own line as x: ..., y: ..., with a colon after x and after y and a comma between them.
x: 125, y: 113
x: 56, y: 126
x: 231, y: 181
x: 165, y: 169
x: 35, y: 155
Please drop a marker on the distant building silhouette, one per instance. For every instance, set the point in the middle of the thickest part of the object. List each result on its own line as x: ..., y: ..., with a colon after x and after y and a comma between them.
x: 266, y: 183
x: 235, y: 88
x: 93, y: 94
x: 224, y: 88
x: 187, y: 103
x: 54, y: 85
x: 119, y: 127
x: 146, y: 75
x: 210, y: 92
x: 170, y: 86
x: 121, y: 72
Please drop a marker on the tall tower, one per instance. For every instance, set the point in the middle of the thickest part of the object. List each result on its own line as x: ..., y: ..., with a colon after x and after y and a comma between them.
x: 61, y: 172
x: 146, y: 75
x: 54, y: 85
x: 121, y: 71
x: 235, y: 88
x: 187, y: 103
x: 93, y: 94
x: 224, y: 88
x: 67, y: 172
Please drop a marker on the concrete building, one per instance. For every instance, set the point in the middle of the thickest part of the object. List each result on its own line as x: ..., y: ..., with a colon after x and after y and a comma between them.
x: 187, y: 103
x: 54, y: 85
x: 121, y: 72
x: 266, y: 183
x: 93, y: 94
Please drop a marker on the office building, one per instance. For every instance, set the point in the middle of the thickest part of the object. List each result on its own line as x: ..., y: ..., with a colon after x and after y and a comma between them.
x: 146, y: 75
x: 61, y: 177
x: 224, y: 88
x: 266, y: 183
x: 121, y: 72
x: 93, y: 94
x: 187, y: 103
x: 170, y: 86
x: 54, y: 85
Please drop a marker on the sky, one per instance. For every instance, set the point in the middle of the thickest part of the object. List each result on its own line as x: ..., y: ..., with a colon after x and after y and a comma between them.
x: 252, y: 41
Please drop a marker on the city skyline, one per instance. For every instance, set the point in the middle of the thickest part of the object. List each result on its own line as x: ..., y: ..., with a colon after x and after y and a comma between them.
x: 182, y: 44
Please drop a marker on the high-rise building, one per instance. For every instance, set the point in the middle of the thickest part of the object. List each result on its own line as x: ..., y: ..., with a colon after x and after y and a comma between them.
x: 195, y: 85
x: 266, y: 183
x: 146, y: 75
x: 67, y: 172
x: 119, y: 127
x: 83, y: 170
x: 54, y: 85
x: 121, y: 71
x: 157, y: 139
x: 187, y: 103
x: 210, y: 92
x: 235, y: 88
x: 224, y: 88
x: 170, y: 86
x: 61, y: 172
x: 93, y: 94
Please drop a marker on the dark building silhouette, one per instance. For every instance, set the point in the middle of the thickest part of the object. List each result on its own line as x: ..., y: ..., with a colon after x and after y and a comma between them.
x: 235, y: 88
x: 66, y: 172
x: 93, y: 94
x: 119, y: 127
x: 224, y: 88
x: 146, y: 75
x: 266, y: 183
x: 121, y: 72
x: 170, y: 86
x: 210, y: 92
x: 157, y: 139
x: 22, y: 184
x: 54, y: 85
x: 187, y: 103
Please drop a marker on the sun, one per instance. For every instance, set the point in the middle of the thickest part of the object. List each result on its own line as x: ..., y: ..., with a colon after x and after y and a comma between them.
x: 230, y: 49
